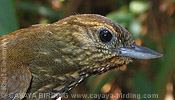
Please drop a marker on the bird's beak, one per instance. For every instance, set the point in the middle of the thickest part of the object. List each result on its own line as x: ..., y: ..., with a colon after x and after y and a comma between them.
x: 139, y: 52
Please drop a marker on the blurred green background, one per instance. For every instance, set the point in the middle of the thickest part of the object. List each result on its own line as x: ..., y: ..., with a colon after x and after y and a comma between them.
x: 151, y: 22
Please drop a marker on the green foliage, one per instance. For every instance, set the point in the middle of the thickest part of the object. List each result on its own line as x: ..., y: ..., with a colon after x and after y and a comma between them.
x: 8, y: 20
x: 42, y: 10
x: 138, y: 7
x: 127, y: 20
x: 167, y: 68
x: 123, y: 17
x: 102, y: 82
x: 142, y: 85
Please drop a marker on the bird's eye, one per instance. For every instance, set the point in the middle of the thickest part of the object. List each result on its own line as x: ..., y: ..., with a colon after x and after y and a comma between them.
x: 105, y: 36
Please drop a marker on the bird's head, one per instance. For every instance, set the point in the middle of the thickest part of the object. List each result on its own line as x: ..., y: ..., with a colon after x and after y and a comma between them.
x: 102, y: 44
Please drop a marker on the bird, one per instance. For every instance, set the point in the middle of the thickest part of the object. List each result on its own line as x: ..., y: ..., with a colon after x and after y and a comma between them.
x: 54, y: 58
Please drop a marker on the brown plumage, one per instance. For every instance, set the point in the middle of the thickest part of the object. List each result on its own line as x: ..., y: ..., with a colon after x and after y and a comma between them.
x: 53, y: 58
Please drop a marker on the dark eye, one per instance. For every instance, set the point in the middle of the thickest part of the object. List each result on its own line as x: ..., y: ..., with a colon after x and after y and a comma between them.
x: 105, y: 36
